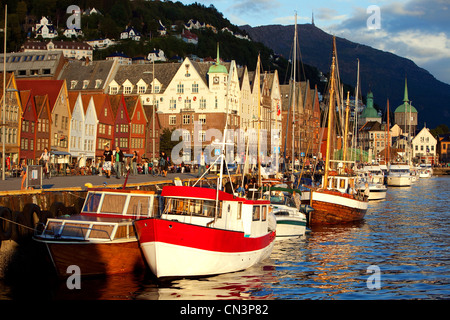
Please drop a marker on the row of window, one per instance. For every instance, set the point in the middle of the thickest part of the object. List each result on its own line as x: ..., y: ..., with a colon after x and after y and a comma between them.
x: 113, y: 89
x: 10, y: 135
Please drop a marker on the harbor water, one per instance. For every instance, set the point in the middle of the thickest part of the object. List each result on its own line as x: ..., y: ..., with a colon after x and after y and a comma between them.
x: 399, y: 251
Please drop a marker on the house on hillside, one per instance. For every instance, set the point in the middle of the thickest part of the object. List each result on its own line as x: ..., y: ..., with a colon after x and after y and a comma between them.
x: 45, y: 29
x: 130, y: 33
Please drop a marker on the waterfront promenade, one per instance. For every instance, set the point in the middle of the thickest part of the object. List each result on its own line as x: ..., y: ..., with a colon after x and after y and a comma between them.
x: 78, y: 182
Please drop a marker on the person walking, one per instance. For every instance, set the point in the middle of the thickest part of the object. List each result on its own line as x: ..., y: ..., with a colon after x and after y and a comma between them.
x: 107, y: 161
x: 163, y: 164
x: 134, y: 163
x: 202, y: 159
x: 118, y: 160
x: 45, y: 158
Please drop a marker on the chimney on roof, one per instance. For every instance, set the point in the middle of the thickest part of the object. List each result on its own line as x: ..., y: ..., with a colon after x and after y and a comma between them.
x: 86, y: 63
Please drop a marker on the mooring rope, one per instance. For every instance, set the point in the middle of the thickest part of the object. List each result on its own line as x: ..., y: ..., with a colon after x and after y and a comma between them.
x: 19, y: 224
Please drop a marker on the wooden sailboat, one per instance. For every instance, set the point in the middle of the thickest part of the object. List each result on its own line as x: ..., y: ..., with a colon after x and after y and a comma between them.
x: 332, y: 204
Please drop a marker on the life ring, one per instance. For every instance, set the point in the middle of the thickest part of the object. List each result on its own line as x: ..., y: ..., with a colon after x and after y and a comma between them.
x: 332, y: 173
x: 5, y: 225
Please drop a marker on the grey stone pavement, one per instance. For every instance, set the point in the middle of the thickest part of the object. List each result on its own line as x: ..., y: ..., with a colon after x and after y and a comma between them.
x: 61, y: 182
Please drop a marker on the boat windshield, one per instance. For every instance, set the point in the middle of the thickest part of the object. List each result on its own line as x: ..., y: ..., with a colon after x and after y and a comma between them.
x: 401, y: 171
x: 92, y: 202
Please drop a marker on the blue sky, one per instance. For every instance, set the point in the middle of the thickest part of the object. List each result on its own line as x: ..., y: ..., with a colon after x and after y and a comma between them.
x: 414, y: 29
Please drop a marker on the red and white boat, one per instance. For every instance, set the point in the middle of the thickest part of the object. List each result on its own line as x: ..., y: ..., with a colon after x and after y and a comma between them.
x: 101, y: 239
x: 333, y: 205
x: 205, y: 231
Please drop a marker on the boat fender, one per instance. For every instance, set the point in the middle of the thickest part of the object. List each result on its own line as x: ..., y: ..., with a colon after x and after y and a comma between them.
x: 22, y: 230
x: 32, y: 214
x: 5, y: 225
x: 57, y: 209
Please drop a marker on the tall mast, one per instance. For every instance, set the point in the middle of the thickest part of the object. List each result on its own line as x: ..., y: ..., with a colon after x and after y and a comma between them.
x: 294, y: 68
x: 258, y: 78
x: 347, y: 109
x: 331, y: 111
x: 355, y: 119
x: 388, y: 144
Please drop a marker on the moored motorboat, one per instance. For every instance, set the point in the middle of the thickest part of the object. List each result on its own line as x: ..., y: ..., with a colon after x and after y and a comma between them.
x: 291, y: 221
x: 100, y: 240
x: 399, y: 175
x: 205, y: 231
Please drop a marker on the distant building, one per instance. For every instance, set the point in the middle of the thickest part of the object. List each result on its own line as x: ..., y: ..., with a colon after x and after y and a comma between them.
x: 70, y: 49
x: 424, y: 147
x: 369, y: 113
x: 69, y: 33
x: 45, y: 29
x: 88, y: 76
x: 130, y: 33
x: 100, y: 43
x: 443, y: 147
x: 34, y: 64
x: 156, y: 55
x: 120, y: 58
x: 406, y: 115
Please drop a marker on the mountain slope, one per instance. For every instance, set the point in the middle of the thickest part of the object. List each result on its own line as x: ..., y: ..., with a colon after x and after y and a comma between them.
x: 381, y: 72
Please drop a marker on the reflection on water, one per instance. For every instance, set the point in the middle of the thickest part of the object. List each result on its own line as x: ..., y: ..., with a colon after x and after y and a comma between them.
x: 406, y: 236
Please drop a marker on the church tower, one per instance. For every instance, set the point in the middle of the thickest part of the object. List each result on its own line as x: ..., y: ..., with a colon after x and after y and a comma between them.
x: 405, y: 115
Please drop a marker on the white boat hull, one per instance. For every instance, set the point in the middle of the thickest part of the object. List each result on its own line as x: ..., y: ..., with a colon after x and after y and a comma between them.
x: 290, y: 226
x: 399, y: 181
x: 171, y: 260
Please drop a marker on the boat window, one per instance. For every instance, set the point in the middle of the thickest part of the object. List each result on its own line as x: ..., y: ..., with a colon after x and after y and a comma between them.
x: 190, y: 207
x: 342, y: 183
x: 335, y: 183
x: 256, y: 212
x: 208, y: 208
x: 100, y: 231
x: 264, y: 213
x: 113, y: 203
x: 239, y: 213
x: 139, y: 206
x: 75, y: 230
x: 92, y: 202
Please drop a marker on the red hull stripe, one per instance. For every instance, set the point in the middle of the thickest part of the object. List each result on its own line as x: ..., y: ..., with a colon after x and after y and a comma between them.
x: 199, y: 237
x: 204, y: 193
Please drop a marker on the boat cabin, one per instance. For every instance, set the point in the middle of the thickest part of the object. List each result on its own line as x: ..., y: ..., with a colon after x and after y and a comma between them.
x: 105, y: 216
x: 340, y: 183
x: 199, y: 206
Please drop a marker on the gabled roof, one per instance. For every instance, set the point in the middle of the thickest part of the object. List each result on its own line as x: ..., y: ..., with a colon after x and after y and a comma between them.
x: 41, y: 102
x: 371, y: 126
x: 52, y: 88
x: 92, y: 71
x: 72, y: 97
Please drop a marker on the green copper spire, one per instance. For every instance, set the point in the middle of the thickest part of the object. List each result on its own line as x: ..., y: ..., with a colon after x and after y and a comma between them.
x: 405, y: 99
x: 217, y: 67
